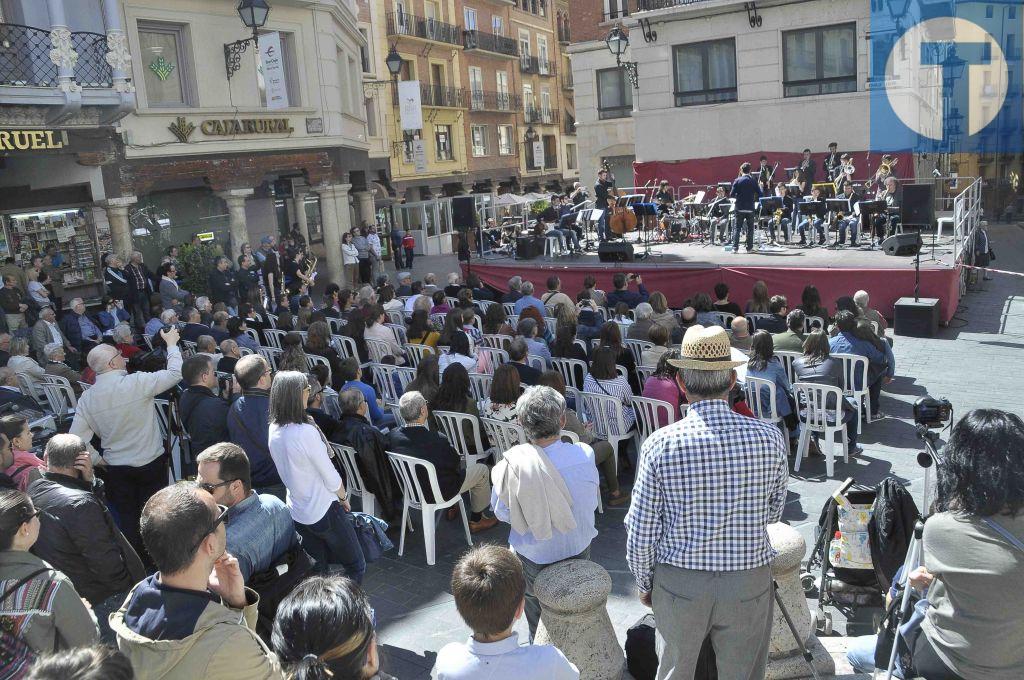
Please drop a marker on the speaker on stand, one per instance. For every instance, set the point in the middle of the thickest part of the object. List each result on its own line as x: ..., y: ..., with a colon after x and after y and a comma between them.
x: 615, y: 251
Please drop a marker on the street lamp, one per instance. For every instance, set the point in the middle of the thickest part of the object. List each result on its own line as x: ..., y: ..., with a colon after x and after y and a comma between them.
x: 254, y: 15
x: 531, y: 135
x: 617, y: 42
x: 394, y: 62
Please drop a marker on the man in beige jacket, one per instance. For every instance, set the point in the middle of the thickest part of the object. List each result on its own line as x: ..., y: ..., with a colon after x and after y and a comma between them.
x: 194, y: 618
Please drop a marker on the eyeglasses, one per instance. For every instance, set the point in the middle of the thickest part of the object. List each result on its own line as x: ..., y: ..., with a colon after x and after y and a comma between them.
x: 209, y: 487
x: 221, y: 518
x: 35, y: 513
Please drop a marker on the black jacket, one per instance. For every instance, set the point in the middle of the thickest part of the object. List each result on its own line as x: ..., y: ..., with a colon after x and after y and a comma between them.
x: 891, y: 528
x: 434, y: 448
x: 78, y: 536
x: 223, y: 287
x: 205, y: 417
x: 192, y: 331
x: 116, y: 281
x: 371, y: 455
x: 772, y: 324
x: 528, y: 375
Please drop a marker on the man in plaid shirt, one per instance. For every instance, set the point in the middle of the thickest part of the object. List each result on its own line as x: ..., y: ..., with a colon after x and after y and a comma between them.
x: 706, y: 488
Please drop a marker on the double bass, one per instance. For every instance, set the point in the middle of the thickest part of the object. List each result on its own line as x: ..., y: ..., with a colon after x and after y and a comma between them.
x: 621, y: 220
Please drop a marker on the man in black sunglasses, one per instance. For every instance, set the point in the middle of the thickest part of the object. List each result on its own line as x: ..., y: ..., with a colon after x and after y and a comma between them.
x: 197, y: 597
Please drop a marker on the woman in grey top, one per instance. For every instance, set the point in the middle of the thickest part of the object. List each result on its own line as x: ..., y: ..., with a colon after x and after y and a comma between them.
x: 974, y: 555
x: 362, y: 245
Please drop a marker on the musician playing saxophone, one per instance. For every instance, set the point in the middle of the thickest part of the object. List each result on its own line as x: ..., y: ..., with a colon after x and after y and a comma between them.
x: 851, y: 220
x: 805, y: 174
x: 831, y: 163
x: 782, y: 217
x: 886, y: 223
x: 718, y: 225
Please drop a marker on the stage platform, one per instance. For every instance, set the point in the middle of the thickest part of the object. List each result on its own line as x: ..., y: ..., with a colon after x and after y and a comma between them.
x: 681, y: 270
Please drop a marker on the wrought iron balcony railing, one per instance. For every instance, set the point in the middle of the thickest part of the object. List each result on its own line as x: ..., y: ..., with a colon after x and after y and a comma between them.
x: 481, y: 100
x: 438, y: 95
x: 401, y: 23
x: 92, y: 69
x: 538, y: 65
x: 490, y: 42
x: 543, y: 116
x: 25, y: 57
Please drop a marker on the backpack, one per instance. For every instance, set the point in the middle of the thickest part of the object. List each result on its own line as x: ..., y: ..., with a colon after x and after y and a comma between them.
x: 891, y: 528
x: 16, y: 657
x: 276, y: 582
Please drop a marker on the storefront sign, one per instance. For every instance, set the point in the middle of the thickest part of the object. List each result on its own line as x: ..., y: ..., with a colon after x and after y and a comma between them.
x: 419, y: 155
x: 272, y: 63
x: 314, y: 126
x: 246, y: 126
x: 410, y: 104
x: 32, y: 140
x: 205, y: 236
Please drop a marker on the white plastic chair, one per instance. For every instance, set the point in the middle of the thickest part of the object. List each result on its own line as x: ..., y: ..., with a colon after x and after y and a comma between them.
x: 536, y: 361
x: 451, y: 424
x: 354, y: 483
x: 574, y: 371
x: 272, y: 320
x: 761, y: 398
x: 415, y: 352
x: 30, y: 386
x: 271, y: 354
x: 335, y: 324
x: 817, y: 417
x: 503, y: 435
x: 644, y: 372
x: 314, y: 359
x: 399, y: 330
x: 399, y: 420
x: 84, y: 385
x: 724, y: 319
x: 452, y: 302
x: 383, y: 379
x: 787, y: 358
x: 495, y: 357
x: 637, y: 348
x: 552, y: 324
x: 60, y: 396
x: 754, y: 317
x: 377, y: 349
x: 244, y: 351
x: 510, y: 308
x: 810, y: 321
x: 484, y: 305
x: 251, y: 332
x: 649, y: 415
x: 604, y: 411
x: 852, y: 365
x: 274, y: 337
x: 480, y: 384
x: 497, y: 341
x: 413, y: 498
x: 395, y: 317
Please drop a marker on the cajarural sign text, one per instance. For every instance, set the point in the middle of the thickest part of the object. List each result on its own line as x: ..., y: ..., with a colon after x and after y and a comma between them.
x: 246, y: 126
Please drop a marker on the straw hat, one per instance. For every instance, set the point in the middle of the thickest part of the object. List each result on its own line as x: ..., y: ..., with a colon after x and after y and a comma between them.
x: 706, y: 349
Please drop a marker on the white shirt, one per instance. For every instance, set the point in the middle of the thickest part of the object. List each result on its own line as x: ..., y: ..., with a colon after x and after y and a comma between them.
x: 349, y: 254
x: 304, y: 463
x: 119, y: 408
x: 55, y: 332
x: 411, y: 302
x: 502, y: 660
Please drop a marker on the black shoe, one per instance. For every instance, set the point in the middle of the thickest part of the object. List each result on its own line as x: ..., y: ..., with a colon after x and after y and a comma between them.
x: 821, y: 242
x: 802, y: 242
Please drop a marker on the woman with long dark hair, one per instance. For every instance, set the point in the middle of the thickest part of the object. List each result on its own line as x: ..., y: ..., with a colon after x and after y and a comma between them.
x: 317, y: 498
x: 459, y: 352
x: 817, y: 366
x: 765, y: 365
x: 420, y: 330
x: 605, y: 379
x: 810, y: 303
x: 455, y: 395
x: 760, y: 301
x: 611, y: 337
x: 318, y: 343
x: 564, y: 346
x: 355, y: 328
x: 496, y: 321
x: 428, y: 378
x: 323, y: 630
x: 506, y: 389
x: 293, y: 356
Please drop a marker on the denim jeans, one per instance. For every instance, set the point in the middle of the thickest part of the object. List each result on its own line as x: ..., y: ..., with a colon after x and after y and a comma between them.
x: 783, y: 223
x: 602, y: 225
x: 332, y: 540
x: 819, y: 227
x: 851, y: 223
x: 861, y: 655
x: 743, y: 217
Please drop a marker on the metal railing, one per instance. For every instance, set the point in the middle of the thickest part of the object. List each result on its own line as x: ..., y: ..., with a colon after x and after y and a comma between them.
x: 401, y: 23
x: 528, y: 64
x: 25, y: 57
x: 534, y: 114
x: 438, y: 95
x: 569, y: 127
x: 92, y: 69
x: 490, y: 42
x: 481, y: 100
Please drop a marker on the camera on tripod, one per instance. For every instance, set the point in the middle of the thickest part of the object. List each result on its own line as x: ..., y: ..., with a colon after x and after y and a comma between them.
x: 931, y: 413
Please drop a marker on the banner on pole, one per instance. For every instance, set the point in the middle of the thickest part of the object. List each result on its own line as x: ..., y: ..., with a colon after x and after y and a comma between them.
x: 409, y: 104
x: 275, y: 83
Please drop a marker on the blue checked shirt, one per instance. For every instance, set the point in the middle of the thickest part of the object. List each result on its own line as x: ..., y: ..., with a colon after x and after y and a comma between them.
x: 707, y: 487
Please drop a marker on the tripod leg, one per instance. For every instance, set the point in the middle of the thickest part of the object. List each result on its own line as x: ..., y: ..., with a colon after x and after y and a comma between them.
x: 808, y: 657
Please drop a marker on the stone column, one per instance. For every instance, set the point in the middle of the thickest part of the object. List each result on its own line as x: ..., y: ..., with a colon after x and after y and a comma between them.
x: 784, y: 658
x: 299, y: 213
x: 336, y: 221
x: 235, y: 198
x: 574, y: 618
x: 365, y: 207
x: 120, y: 227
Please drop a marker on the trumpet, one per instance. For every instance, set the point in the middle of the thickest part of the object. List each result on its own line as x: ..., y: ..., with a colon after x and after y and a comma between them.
x: 309, y: 275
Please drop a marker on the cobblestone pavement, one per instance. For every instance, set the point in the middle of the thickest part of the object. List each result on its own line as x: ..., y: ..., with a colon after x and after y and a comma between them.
x: 976, y: 362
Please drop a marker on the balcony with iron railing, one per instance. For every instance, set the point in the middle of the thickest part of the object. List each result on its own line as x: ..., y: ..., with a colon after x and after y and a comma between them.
x: 409, y: 25
x: 490, y: 42
x: 622, y: 9
x: 438, y: 96
x: 536, y: 65
x: 569, y: 125
x: 533, y: 114
x: 481, y: 100
x: 25, y: 58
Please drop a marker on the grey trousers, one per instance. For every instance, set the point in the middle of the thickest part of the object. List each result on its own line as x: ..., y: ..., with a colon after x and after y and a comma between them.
x: 734, y: 607
x: 532, y: 605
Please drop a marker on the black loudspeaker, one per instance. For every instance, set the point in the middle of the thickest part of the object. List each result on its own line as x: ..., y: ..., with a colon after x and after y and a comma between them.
x: 902, y: 245
x: 917, y: 207
x: 463, y: 213
x: 613, y: 251
x: 529, y: 247
x: 916, y: 318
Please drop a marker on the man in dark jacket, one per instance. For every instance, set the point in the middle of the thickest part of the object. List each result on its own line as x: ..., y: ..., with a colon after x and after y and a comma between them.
x: 248, y: 422
x: 203, y: 414
x: 140, y: 287
x: 416, y: 440
x: 222, y: 284
x: 81, y: 331
x: 746, y: 192
x: 194, y: 327
x: 115, y: 278
x: 354, y: 429
x: 622, y: 293
x: 513, y: 293
x: 77, y: 534
x: 776, y: 323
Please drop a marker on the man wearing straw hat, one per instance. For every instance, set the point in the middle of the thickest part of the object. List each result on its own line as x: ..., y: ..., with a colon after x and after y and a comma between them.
x: 706, y: 488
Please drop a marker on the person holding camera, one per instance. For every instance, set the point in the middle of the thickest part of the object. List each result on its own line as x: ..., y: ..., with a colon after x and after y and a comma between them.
x: 622, y: 293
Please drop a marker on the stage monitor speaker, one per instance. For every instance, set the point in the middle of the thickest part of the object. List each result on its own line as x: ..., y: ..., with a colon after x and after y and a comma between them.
x: 916, y: 318
x: 463, y: 213
x: 612, y: 251
x: 902, y: 245
x: 529, y: 247
x: 917, y: 207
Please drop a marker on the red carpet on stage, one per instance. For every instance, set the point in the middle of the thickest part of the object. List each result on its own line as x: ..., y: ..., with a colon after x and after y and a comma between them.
x: 679, y: 283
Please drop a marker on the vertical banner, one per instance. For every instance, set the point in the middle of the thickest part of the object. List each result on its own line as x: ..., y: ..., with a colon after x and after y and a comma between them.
x: 409, y: 104
x: 272, y: 64
x: 419, y: 155
x: 538, y: 154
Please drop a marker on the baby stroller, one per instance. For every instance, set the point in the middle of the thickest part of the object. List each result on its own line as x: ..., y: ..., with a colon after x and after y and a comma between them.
x: 842, y: 549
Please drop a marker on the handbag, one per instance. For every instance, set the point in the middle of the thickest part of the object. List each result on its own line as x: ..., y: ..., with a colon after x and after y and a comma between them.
x: 370, y: 531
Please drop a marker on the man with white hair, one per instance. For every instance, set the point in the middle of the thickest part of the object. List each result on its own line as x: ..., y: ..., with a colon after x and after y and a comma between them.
x: 229, y: 356
x: 47, y: 331
x: 168, y: 317
x: 862, y: 300
x: 53, y: 364
x: 643, y: 319
x: 528, y: 300
x: 140, y: 287
x: 205, y: 308
x: 547, y: 491
x: 454, y: 286
x: 513, y: 294
x: 81, y: 331
x: 404, y: 284
x: 207, y: 346
x: 119, y: 409
x: 429, y: 283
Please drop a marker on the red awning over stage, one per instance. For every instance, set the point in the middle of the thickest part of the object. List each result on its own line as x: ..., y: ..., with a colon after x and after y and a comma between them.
x: 709, y: 171
x: 679, y: 283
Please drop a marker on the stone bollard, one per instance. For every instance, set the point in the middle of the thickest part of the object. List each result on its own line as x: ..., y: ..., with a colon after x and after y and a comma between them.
x: 574, y: 617
x: 784, y: 659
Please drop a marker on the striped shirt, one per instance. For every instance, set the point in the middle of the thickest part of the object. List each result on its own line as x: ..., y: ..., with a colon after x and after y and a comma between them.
x: 706, y: 488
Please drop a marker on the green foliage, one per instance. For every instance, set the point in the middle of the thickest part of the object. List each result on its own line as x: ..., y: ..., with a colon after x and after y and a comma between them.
x: 196, y: 263
x: 539, y: 207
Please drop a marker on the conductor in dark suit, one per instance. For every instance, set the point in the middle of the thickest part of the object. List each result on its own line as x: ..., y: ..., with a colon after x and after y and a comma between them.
x: 746, y: 192
x: 417, y: 441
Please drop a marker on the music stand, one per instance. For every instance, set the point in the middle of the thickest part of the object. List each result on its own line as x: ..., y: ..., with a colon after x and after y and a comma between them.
x: 868, y: 209
x: 838, y: 205
x: 813, y: 209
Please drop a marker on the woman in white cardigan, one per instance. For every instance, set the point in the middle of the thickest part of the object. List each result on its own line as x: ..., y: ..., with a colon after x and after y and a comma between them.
x: 350, y: 260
